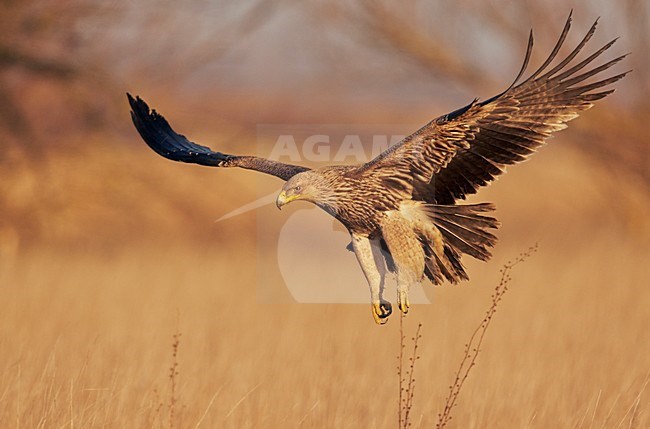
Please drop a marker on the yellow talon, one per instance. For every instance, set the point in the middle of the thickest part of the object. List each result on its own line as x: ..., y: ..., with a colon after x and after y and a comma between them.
x: 403, y: 301
x: 378, y: 320
x: 380, y: 312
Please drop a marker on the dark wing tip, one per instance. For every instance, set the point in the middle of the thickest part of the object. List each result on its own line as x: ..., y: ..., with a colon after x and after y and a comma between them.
x: 159, y: 136
x: 137, y: 105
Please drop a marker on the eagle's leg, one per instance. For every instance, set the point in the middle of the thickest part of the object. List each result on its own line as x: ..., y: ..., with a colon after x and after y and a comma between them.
x: 407, y: 253
x: 369, y: 256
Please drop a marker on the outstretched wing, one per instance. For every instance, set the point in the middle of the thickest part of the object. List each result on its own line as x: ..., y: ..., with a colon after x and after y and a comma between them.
x: 159, y: 136
x: 457, y: 153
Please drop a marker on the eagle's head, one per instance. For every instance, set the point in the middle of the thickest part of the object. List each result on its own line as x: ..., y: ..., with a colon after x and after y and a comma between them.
x: 312, y: 186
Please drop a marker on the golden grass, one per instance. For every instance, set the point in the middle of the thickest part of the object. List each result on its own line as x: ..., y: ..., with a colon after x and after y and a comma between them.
x: 86, y: 333
x: 86, y: 342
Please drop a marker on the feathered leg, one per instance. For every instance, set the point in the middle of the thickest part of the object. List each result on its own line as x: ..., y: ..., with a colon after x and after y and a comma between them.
x: 368, y: 254
x: 406, y: 250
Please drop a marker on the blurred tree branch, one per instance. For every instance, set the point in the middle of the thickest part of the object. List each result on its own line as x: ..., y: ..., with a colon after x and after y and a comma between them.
x: 408, y: 39
x: 15, y: 57
x: 28, y: 39
x: 11, y: 115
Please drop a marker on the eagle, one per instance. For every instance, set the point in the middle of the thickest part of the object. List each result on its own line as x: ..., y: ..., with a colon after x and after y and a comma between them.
x: 402, y: 208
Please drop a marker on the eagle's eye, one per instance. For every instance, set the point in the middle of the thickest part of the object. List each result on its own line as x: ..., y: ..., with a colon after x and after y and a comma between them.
x: 298, y: 188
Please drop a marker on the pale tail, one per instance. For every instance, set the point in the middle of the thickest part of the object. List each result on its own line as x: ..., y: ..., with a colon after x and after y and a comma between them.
x: 460, y: 229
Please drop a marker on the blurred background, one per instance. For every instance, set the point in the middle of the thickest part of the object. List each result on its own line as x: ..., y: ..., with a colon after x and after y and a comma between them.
x: 107, y: 249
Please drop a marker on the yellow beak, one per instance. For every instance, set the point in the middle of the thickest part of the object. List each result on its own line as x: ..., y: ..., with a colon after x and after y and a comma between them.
x: 283, y: 199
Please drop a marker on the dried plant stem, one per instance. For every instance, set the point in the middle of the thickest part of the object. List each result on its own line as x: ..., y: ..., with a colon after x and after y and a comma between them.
x: 473, y: 347
x: 400, y: 359
x: 173, y: 379
x: 406, y: 388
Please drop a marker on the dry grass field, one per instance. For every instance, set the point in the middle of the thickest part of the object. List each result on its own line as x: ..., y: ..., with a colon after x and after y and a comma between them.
x: 86, y: 331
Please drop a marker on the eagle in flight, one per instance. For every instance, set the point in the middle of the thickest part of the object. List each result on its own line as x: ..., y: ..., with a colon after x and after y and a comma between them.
x: 401, y: 207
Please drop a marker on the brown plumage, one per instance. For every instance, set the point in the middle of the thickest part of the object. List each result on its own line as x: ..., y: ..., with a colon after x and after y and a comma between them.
x: 401, y: 206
